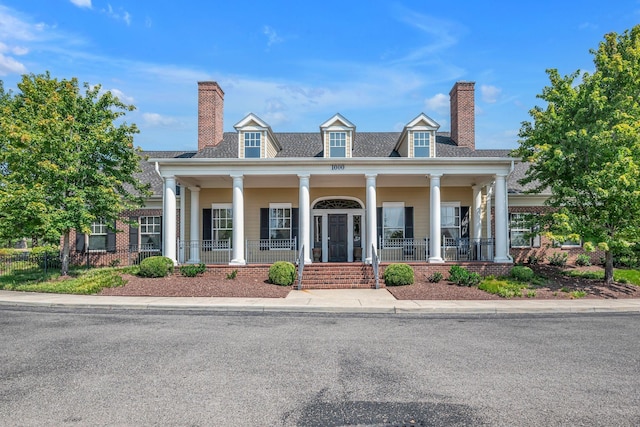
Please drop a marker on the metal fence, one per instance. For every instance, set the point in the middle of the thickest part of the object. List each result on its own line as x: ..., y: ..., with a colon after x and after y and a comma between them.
x: 268, y: 251
x: 205, y: 251
x: 416, y: 250
x: 52, y: 261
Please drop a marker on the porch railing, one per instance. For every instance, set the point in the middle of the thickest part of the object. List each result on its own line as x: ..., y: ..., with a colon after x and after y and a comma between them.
x: 417, y: 250
x: 205, y: 251
x: 375, y: 263
x: 268, y: 251
x: 300, y: 264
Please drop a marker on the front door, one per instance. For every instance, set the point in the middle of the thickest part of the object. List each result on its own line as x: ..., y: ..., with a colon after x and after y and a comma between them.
x: 338, y: 238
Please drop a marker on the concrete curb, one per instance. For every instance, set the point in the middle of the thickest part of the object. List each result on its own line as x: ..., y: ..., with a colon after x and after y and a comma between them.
x: 317, y: 302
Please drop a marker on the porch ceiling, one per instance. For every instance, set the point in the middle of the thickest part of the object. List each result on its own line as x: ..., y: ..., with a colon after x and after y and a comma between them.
x: 337, y: 181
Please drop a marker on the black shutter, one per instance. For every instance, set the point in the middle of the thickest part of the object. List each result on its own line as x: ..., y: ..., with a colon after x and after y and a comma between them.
x: 161, y: 241
x: 408, y: 222
x: 295, y: 212
x: 464, y: 222
x: 133, y: 234
x: 80, y: 239
x: 264, y: 228
x: 111, y: 238
x: 206, y: 225
x: 378, y: 225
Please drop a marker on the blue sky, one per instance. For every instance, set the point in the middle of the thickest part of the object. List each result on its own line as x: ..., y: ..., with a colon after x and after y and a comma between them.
x: 297, y: 63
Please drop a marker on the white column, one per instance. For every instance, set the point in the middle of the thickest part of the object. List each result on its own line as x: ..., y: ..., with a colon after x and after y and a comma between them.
x: 477, y: 212
x: 169, y: 212
x: 181, y: 231
x: 489, y: 232
x: 502, y: 254
x: 238, y: 221
x: 194, y: 229
x: 304, y: 228
x: 434, y: 209
x: 372, y: 225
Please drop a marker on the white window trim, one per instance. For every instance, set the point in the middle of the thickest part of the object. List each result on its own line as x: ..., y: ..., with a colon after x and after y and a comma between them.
x: 388, y: 205
x: 140, y: 233
x: 280, y: 206
x: 102, y: 224
x: 244, y: 143
x: 215, y: 206
x: 511, y: 229
x: 428, y: 146
x: 450, y: 205
x: 346, y: 143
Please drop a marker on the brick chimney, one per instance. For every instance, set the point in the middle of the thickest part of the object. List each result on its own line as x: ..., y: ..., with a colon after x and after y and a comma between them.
x: 210, y: 111
x: 463, y: 127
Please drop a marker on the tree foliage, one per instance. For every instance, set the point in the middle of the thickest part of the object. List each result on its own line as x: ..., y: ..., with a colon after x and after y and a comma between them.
x: 585, y: 147
x: 67, y: 159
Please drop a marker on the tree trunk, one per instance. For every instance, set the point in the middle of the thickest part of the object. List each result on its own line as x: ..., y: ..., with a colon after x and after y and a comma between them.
x: 65, y: 254
x: 608, y: 268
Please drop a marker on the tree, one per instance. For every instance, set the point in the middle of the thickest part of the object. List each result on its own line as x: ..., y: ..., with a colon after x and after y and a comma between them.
x: 585, y: 148
x: 67, y: 159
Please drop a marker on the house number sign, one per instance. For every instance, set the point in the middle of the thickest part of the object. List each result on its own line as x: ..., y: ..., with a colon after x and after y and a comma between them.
x: 337, y: 167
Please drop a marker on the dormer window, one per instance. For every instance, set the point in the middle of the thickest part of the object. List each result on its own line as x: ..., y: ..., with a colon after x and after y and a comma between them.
x: 418, y: 138
x: 338, y: 134
x: 338, y: 144
x: 421, y: 144
x: 255, y: 139
x: 252, y: 145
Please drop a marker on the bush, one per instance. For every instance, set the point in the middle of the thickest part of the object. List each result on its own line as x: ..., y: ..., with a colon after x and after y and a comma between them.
x: 156, y: 266
x: 462, y: 277
x: 48, y: 256
x: 559, y: 259
x: 583, y: 260
x: 435, y: 277
x: 282, y: 273
x: 398, y: 275
x: 192, y: 270
x: 521, y: 273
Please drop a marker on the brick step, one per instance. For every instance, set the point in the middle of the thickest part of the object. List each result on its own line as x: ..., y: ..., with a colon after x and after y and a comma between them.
x: 338, y: 276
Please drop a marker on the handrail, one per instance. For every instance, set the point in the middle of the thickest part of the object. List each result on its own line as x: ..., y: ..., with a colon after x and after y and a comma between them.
x: 375, y: 263
x: 300, y: 263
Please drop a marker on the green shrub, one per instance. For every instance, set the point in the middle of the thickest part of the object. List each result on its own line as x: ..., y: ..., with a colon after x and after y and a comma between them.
x: 156, y: 266
x: 398, y: 275
x: 282, y: 273
x: 192, y: 270
x: 583, y: 260
x: 462, y: 277
x: 48, y: 256
x: 559, y: 259
x: 521, y: 274
x: 435, y: 277
x: 232, y: 275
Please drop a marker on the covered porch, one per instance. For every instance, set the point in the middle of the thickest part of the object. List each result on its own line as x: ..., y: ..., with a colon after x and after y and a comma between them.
x: 417, y: 210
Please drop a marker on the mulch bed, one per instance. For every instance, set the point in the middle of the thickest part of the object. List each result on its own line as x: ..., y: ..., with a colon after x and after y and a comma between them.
x: 211, y: 285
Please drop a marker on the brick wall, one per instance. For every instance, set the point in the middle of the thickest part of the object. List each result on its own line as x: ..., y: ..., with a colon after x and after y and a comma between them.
x: 210, y: 114
x: 463, y: 114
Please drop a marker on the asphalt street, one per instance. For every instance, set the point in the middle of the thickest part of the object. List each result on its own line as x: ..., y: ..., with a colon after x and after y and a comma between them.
x: 105, y: 367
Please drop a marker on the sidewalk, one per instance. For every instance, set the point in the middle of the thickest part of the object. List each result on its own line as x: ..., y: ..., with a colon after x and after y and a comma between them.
x: 320, y: 301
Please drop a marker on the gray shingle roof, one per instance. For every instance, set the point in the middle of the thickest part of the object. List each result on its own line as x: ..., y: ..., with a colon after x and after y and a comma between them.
x: 149, y: 174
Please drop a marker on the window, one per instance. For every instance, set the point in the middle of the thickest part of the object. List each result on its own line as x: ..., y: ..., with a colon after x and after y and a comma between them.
x: 450, y: 222
x: 279, y: 224
x: 337, y: 144
x: 221, y: 225
x: 519, y: 231
x: 98, y: 236
x: 393, y: 220
x: 421, y: 142
x: 150, y: 229
x: 252, y: 145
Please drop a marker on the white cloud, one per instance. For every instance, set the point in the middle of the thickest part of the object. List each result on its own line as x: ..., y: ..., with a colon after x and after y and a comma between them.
x: 120, y: 15
x: 8, y: 65
x: 272, y: 36
x: 121, y: 96
x: 155, y: 119
x: 438, y: 103
x: 12, y: 27
x: 490, y: 94
x: 82, y: 3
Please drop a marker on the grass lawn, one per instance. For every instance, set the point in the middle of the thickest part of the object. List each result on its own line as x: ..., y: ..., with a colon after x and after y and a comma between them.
x: 619, y: 275
x: 82, y: 282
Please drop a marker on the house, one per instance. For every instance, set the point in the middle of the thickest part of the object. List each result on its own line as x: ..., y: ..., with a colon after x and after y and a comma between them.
x: 336, y: 194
